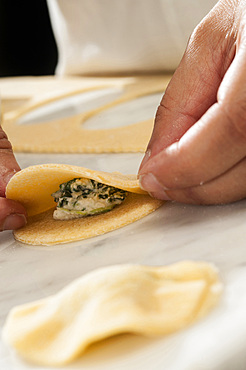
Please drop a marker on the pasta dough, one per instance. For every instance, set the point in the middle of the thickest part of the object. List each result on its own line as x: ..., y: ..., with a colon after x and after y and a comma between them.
x: 67, y: 135
x: 34, y: 185
x: 118, y: 299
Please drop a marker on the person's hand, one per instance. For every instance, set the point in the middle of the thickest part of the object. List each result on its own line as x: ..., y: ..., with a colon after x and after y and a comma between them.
x: 197, y: 152
x: 12, y: 214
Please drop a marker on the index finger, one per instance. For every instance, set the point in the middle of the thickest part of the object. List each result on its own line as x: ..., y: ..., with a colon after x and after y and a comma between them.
x: 193, y: 88
x: 213, y: 145
x: 8, y: 163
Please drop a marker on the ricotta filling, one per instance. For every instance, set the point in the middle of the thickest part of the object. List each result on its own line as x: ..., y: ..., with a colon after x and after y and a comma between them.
x: 84, y: 197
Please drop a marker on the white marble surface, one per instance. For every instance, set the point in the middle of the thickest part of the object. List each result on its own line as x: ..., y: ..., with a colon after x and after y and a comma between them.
x: 174, y: 232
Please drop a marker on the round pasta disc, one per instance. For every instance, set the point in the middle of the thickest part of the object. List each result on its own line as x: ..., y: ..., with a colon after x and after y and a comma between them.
x: 67, y: 135
x: 34, y: 185
x: 146, y: 300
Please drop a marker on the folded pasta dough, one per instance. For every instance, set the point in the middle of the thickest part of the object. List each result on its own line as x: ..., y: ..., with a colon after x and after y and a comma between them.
x: 34, y: 185
x: 118, y: 299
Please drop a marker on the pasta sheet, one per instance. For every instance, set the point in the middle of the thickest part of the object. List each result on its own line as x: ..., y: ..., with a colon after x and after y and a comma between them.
x: 112, y: 300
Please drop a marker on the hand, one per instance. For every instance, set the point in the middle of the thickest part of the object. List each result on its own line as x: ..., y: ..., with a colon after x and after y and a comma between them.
x: 12, y: 214
x: 197, y: 152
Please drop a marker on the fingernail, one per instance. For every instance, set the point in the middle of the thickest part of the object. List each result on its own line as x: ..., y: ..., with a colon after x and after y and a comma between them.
x: 150, y: 184
x: 146, y: 158
x: 14, y: 221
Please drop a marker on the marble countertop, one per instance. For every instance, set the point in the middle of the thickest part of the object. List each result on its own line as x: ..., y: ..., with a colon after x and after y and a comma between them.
x: 173, y: 233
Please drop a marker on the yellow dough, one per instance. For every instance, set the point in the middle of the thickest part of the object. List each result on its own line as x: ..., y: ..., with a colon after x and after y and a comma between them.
x: 34, y: 185
x: 21, y: 94
x: 118, y: 299
x: 68, y: 135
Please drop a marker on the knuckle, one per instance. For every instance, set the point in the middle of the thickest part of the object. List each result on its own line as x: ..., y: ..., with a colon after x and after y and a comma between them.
x: 9, y: 206
x: 4, y: 211
x: 159, y: 113
x: 197, y: 36
x: 4, y: 142
x: 187, y: 196
x: 207, y: 194
x: 2, y: 189
x: 187, y: 169
x: 205, y: 32
x: 195, y: 195
x: 2, y: 134
x: 236, y: 117
x: 216, y: 36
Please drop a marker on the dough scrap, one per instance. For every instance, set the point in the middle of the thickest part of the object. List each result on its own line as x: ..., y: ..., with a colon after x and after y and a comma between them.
x: 23, y: 93
x: 67, y: 135
x: 34, y: 185
x: 136, y: 299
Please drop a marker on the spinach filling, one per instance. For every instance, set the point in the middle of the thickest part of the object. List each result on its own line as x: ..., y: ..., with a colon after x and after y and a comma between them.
x: 81, y: 197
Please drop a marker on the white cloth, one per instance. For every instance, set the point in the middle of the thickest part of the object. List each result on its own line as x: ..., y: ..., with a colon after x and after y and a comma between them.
x: 123, y: 36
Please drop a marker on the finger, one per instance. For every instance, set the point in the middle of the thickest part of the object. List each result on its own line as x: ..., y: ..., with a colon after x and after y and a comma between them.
x: 211, y: 146
x: 194, y: 85
x: 208, y: 149
x: 229, y: 187
x: 8, y: 163
x: 12, y: 215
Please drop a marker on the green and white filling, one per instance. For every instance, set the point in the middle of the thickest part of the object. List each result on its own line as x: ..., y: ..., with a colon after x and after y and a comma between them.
x: 84, y: 197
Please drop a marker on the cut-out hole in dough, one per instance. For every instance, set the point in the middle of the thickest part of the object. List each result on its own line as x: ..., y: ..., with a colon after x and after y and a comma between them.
x: 71, y: 105
x: 124, y: 114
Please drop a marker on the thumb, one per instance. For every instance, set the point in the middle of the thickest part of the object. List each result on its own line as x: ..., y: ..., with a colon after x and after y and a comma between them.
x: 12, y: 215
